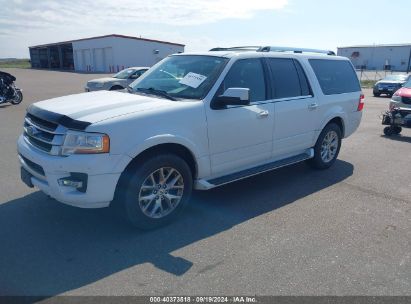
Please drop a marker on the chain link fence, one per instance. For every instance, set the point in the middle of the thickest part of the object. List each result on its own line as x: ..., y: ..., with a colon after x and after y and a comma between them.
x: 373, y: 75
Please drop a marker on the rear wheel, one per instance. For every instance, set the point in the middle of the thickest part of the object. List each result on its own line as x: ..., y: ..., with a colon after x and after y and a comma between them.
x: 17, y: 98
x: 156, y: 191
x: 389, y: 131
x: 327, y: 147
x: 397, y: 130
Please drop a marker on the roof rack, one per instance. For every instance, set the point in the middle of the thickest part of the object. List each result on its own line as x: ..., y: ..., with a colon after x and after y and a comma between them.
x: 273, y: 49
x: 294, y: 50
x: 236, y: 48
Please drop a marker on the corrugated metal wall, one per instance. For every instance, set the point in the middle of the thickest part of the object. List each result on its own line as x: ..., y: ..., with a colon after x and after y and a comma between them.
x: 394, y: 58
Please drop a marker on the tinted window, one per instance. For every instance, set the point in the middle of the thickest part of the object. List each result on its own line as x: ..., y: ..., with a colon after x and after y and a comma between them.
x: 247, y: 73
x: 286, y: 82
x: 335, y: 76
x: 305, y: 86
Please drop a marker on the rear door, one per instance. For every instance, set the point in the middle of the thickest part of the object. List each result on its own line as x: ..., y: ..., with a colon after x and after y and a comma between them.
x: 296, y: 108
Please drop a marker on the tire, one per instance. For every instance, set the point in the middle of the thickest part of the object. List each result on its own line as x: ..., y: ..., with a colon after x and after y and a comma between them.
x: 144, y: 204
x: 327, y: 147
x: 397, y: 130
x: 17, y: 99
x: 115, y: 88
x: 376, y: 94
x: 388, y: 131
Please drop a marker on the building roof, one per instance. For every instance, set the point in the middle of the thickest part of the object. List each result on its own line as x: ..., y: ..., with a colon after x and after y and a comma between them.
x: 374, y: 45
x: 107, y: 36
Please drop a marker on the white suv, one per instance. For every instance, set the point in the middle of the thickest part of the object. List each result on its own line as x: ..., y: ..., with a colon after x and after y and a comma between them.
x: 192, y: 121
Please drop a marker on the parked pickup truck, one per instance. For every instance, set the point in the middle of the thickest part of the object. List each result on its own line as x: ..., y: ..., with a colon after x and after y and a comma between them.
x: 193, y: 121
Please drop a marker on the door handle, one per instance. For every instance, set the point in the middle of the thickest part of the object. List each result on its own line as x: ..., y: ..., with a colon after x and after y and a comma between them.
x: 263, y: 114
x: 313, y: 106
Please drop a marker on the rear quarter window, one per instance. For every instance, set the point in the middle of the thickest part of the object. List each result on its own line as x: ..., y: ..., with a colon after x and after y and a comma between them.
x: 335, y: 76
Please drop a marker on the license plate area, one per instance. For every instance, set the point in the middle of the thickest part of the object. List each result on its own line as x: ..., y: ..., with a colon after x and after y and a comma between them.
x: 26, y: 177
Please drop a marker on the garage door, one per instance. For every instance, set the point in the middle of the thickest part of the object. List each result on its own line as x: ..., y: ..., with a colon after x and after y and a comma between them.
x: 108, y: 60
x: 99, y: 60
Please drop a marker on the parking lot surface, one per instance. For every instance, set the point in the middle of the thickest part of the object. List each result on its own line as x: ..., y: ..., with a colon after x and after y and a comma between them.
x: 294, y: 231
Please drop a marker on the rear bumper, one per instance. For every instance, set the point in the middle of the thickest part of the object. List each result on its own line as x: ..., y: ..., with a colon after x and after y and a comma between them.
x: 103, y: 172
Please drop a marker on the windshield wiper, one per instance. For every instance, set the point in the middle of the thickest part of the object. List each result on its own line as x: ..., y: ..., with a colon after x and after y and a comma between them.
x: 156, y: 92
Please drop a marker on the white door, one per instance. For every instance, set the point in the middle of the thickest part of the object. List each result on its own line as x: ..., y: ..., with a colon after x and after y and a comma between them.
x: 79, y: 61
x: 99, y: 60
x: 86, y: 60
x: 108, y: 60
x: 296, y: 109
x: 241, y: 136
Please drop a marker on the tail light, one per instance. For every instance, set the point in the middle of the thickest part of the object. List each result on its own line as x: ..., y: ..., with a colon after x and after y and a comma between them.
x: 361, y: 103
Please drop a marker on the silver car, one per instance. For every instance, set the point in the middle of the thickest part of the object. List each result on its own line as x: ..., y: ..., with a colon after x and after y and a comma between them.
x: 118, y: 81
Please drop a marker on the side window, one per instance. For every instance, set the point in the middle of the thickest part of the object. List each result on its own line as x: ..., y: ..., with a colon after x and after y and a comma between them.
x: 305, y: 86
x: 139, y: 73
x: 247, y: 73
x: 286, y: 82
x: 335, y: 76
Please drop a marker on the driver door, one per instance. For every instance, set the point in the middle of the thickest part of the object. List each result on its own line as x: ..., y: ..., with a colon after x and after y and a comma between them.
x: 240, y: 137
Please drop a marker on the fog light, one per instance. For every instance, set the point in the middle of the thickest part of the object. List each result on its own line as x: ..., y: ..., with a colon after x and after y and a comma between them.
x: 75, y: 180
x: 70, y: 183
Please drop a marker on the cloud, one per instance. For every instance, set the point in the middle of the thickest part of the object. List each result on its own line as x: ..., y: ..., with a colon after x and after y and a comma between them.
x: 169, y: 12
x: 27, y: 22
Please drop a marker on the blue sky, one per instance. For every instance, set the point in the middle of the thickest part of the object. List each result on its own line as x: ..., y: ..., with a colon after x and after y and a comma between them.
x: 204, y: 24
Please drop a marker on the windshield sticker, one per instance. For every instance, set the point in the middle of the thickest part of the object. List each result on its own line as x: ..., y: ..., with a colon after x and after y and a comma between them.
x: 193, y: 80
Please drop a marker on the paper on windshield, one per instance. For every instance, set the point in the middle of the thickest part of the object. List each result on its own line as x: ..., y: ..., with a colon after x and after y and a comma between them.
x: 193, y: 80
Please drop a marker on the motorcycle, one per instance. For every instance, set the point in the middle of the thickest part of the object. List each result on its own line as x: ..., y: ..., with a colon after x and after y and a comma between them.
x: 9, y: 92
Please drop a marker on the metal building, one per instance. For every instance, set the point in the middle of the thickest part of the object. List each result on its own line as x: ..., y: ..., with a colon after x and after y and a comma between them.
x: 109, y: 53
x: 395, y: 57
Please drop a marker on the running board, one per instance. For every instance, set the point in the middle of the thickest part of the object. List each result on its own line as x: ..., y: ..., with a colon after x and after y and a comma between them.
x: 219, y: 181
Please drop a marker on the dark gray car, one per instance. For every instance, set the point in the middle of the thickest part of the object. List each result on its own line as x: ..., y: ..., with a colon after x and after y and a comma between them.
x: 390, y: 84
x: 118, y: 81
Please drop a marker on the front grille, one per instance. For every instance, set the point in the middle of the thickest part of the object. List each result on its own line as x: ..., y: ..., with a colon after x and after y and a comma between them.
x: 33, y: 166
x: 43, y: 135
x: 406, y: 100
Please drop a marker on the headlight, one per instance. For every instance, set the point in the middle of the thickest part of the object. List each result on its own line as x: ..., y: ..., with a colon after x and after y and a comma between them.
x: 396, y: 98
x: 99, y: 84
x: 85, y: 143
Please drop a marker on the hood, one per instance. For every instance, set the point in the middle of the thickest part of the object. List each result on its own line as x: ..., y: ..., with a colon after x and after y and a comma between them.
x: 404, y: 92
x: 95, y: 106
x: 390, y: 82
x: 103, y: 80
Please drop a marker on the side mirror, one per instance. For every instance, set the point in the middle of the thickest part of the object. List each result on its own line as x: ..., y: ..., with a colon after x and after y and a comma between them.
x: 134, y: 76
x: 232, y: 97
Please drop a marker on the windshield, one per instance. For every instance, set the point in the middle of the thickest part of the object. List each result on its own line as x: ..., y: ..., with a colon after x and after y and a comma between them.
x: 183, y: 76
x: 407, y: 84
x: 124, y: 74
x: 396, y: 78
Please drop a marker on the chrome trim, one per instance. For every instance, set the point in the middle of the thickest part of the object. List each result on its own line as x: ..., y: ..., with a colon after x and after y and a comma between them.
x: 58, y: 136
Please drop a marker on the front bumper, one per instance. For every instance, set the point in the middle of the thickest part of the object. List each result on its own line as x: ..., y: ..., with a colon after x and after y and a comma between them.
x: 92, y: 89
x: 103, y: 172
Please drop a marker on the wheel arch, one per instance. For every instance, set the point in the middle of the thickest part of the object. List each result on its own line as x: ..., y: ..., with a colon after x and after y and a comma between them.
x: 116, y: 87
x: 171, y: 148
x: 338, y: 119
x: 339, y: 122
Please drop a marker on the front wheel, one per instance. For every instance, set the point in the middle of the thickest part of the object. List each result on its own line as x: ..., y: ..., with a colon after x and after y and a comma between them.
x: 157, y: 191
x: 17, y: 98
x: 327, y: 147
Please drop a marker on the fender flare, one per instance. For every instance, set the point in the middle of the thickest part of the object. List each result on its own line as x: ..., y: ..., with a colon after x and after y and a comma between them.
x: 164, y: 139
